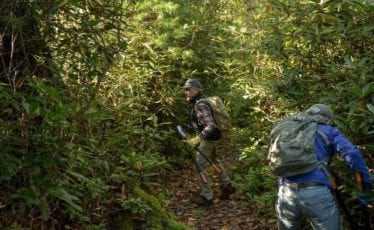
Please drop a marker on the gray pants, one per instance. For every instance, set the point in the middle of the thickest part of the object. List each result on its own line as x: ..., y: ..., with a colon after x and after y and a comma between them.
x: 316, y: 203
x: 209, y: 149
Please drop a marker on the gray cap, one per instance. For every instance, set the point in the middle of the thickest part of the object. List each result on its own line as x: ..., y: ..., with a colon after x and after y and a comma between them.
x: 192, y: 83
x: 320, y: 112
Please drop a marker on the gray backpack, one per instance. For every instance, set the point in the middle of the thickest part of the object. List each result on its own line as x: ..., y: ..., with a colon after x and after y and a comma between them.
x: 292, y: 142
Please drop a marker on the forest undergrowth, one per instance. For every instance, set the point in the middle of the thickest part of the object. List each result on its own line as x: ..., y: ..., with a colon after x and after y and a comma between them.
x: 236, y: 213
x: 90, y: 93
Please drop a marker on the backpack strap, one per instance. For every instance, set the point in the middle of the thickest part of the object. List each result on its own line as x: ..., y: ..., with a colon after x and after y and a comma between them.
x: 326, y: 162
x: 206, y: 102
x: 324, y: 137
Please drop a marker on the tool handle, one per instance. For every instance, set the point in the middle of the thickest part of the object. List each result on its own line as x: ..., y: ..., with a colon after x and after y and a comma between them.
x: 218, y: 170
x: 209, y: 161
x: 358, y: 181
x: 198, y: 168
x: 203, y: 178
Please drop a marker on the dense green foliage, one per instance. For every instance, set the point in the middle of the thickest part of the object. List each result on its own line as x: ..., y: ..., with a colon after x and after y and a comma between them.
x: 90, y: 95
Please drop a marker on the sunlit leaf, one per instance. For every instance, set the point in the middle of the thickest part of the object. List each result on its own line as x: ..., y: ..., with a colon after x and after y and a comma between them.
x: 370, y: 107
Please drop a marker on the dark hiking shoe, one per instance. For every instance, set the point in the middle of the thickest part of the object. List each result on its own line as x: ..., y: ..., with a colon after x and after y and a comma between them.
x: 201, y: 201
x: 226, y: 191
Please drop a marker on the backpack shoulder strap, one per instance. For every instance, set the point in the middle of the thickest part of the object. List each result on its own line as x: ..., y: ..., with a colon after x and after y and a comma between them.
x: 326, y: 162
x: 324, y: 137
x: 204, y: 101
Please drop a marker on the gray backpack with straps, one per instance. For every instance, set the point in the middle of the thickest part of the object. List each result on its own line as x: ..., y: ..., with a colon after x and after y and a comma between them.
x: 292, y: 150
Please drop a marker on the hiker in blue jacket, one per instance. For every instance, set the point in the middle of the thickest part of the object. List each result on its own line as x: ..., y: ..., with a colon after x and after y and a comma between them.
x: 310, y: 194
x: 207, y: 139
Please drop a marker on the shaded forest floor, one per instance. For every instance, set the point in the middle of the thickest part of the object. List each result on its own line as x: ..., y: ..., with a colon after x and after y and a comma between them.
x: 232, y: 214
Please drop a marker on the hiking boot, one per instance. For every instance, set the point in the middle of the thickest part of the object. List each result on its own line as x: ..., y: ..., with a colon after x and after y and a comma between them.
x: 226, y: 191
x: 201, y: 201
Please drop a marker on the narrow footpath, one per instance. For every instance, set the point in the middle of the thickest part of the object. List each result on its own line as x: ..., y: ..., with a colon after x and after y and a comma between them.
x: 232, y: 214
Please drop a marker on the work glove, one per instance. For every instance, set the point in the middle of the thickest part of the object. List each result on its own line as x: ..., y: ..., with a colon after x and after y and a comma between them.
x: 366, y: 197
x: 194, y: 141
x: 368, y: 186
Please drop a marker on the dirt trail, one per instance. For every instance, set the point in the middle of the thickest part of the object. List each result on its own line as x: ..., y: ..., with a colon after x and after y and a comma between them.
x: 232, y: 214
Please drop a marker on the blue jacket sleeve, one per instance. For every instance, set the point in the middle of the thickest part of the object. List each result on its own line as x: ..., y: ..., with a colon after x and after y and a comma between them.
x: 350, y: 153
